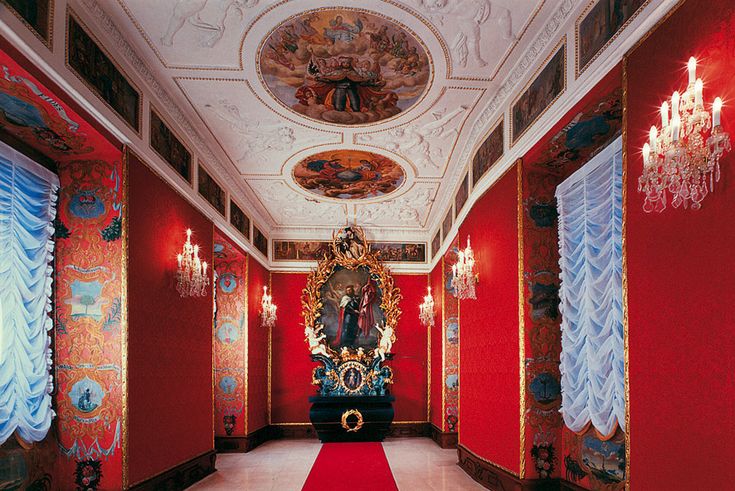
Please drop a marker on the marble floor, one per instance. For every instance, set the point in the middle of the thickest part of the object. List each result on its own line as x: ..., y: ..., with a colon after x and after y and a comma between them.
x: 418, y: 464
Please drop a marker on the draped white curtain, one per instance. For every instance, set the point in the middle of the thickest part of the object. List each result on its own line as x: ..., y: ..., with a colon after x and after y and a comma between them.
x: 591, y: 249
x: 27, y: 210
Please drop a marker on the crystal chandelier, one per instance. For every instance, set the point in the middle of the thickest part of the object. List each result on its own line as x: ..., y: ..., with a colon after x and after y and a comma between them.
x: 683, y: 157
x: 268, y: 312
x: 191, y: 275
x: 426, y: 311
x: 463, y: 276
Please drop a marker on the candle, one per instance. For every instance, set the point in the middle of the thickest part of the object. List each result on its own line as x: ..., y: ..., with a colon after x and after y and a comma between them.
x: 188, y: 234
x: 646, y: 155
x: 652, y: 136
x: 675, y: 123
x: 179, y: 257
x: 698, y: 85
x: 204, y: 268
x: 716, y: 111
x: 692, y: 66
x: 674, y: 105
x: 196, y: 251
x: 665, y: 115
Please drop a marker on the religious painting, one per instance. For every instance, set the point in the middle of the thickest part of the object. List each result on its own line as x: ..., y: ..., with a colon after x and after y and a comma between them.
x: 349, y: 174
x: 351, y: 309
x: 399, y: 252
x: 36, y: 14
x: 306, y: 250
x: 462, y: 193
x: 169, y: 147
x: 601, y: 25
x: 436, y: 243
x: 488, y: 153
x: 239, y: 220
x: 211, y: 191
x: 97, y: 70
x: 260, y: 241
x: 344, y: 66
x: 447, y: 224
x: 540, y: 94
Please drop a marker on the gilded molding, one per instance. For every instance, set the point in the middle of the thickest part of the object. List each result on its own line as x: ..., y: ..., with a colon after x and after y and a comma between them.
x: 247, y: 340
x: 49, y: 43
x: 626, y: 346
x: 428, y: 362
x: 521, y: 325
x: 270, y: 353
x: 444, y: 351
x: 124, y: 315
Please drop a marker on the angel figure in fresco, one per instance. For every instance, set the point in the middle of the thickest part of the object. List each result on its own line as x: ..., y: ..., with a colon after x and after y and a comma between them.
x: 386, y: 341
x: 366, y: 319
x: 339, y: 30
x: 314, y: 337
x: 191, y: 10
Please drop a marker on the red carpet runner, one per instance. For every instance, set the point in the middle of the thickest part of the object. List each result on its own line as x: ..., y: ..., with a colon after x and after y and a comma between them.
x: 351, y: 466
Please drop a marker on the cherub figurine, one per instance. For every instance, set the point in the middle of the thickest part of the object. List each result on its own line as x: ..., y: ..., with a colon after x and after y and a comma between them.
x: 345, y: 352
x: 386, y: 341
x: 314, y: 336
x: 360, y: 352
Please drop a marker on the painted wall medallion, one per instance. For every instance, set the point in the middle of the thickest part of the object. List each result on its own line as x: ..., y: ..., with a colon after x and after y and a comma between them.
x: 349, y: 174
x: 228, y: 384
x: 344, y: 66
x: 86, y: 395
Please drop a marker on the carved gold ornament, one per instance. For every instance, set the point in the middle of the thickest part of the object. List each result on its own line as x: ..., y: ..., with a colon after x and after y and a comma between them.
x: 350, y: 254
x: 358, y: 424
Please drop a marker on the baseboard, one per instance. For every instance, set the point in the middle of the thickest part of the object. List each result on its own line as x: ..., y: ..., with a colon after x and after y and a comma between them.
x: 181, y: 476
x: 409, y: 430
x: 241, y: 444
x: 292, y: 431
x: 444, y: 439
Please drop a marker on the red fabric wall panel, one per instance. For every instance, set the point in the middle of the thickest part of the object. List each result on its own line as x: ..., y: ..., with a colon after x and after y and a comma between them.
x: 489, y: 366
x: 257, y: 397
x: 680, y: 266
x: 292, y: 365
x: 435, y: 391
x: 410, y: 348
x: 169, y: 338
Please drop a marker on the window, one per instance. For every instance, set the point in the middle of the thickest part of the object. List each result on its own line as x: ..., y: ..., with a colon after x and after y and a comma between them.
x: 591, y: 251
x: 27, y: 209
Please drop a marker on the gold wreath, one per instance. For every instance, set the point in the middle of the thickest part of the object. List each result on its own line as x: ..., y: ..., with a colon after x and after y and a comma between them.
x: 345, y: 424
x: 311, y: 299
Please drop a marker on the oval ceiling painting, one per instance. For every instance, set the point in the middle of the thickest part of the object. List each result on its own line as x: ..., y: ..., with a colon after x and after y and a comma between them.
x: 344, y: 66
x: 349, y: 174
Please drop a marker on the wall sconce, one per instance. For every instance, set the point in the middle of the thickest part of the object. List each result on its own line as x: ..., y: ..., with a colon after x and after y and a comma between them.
x: 191, y: 274
x: 681, y: 157
x: 463, y: 275
x: 426, y: 311
x: 268, y: 312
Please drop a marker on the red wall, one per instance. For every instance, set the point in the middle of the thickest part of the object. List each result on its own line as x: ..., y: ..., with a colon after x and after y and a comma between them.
x: 169, y: 338
x: 292, y: 366
x: 680, y: 265
x: 437, y: 287
x: 257, y: 398
x: 489, y: 365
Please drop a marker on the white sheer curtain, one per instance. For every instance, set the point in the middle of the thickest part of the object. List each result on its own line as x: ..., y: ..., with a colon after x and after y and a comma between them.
x: 27, y: 210
x: 591, y: 249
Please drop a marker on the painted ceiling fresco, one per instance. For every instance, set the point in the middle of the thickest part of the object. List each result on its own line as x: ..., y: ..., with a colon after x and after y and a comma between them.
x: 344, y: 66
x: 349, y: 174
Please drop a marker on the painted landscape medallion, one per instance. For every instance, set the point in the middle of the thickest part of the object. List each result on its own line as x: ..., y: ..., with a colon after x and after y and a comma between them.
x: 344, y: 66
x: 349, y: 174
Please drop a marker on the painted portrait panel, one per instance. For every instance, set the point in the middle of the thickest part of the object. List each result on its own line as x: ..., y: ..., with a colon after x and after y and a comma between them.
x: 543, y: 91
x: 349, y: 174
x: 462, y: 193
x: 344, y: 66
x: 260, y: 241
x: 489, y: 152
x: 351, y: 309
x: 308, y: 250
x: 447, y: 224
x: 170, y: 148
x: 239, y: 220
x: 97, y: 70
x: 211, y: 191
x: 600, y: 25
x: 436, y: 243
x: 36, y: 14
x: 399, y: 252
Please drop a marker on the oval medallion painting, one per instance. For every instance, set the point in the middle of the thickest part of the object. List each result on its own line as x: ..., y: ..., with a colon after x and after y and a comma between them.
x: 349, y: 174
x: 344, y: 66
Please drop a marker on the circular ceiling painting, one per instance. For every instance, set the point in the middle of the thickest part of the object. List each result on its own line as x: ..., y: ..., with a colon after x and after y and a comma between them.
x: 349, y: 174
x: 344, y: 66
